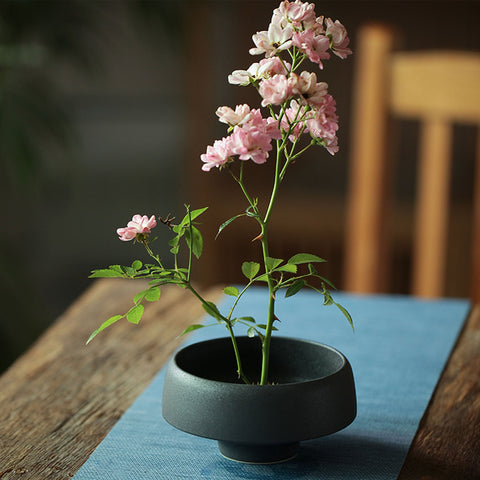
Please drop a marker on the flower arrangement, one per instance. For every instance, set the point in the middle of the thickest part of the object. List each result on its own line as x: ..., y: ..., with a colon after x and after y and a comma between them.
x: 300, y: 114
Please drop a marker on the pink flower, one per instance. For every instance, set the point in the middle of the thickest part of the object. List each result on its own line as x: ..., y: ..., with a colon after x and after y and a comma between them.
x: 253, y: 140
x: 251, y: 144
x: 277, y: 38
x: 237, y: 117
x: 314, y: 46
x: 216, y: 155
x: 300, y: 14
x: 275, y: 90
x: 338, y: 38
x: 324, y: 125
x: 306, y: 85
x: 267, y: 67
x: 138, y: 224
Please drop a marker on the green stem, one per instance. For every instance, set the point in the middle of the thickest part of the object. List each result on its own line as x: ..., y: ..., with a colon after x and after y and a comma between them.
x: 270, y: 317
x: 228, y: 323
x: 149, y: 251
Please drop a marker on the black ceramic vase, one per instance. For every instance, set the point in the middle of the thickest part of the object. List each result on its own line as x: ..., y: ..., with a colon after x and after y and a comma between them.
x: 312, y: 394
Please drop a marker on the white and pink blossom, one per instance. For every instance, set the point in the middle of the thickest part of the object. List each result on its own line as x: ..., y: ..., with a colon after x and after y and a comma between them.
x: 138, y: 225
x: 339, y: 40
x: 324, y: 124
x: 216, y: 155
x: 275, y: 90
x: 266, y: 68
x: 299, y: 14
x: 276, y: 39
x: 314, y: 46
x: 233, y: 117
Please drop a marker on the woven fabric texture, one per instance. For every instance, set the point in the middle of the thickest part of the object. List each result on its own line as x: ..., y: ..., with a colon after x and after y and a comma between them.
x: 397, y: 353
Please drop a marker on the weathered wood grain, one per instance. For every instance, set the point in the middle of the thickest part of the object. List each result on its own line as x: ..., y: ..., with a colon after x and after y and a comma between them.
x: 61, y: 398
x: 447, y: 443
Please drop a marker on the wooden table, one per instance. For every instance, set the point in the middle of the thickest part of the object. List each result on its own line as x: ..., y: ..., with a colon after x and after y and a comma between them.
x: 61, y: 398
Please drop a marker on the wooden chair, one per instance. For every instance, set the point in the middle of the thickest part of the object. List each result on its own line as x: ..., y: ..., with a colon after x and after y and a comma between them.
x: 439, y: 88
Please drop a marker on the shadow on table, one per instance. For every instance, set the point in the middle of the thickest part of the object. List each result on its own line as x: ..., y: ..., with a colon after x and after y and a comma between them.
x: 339, y: 456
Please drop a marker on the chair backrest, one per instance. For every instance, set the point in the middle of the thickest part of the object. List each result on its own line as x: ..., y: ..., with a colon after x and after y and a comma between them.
x: 438, y: 88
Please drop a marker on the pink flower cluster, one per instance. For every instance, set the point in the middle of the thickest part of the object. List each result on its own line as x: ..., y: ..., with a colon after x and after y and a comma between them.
x: 295, y: 23
x: 251, y: 138
x: 305, y: 105
x: 138, y: 225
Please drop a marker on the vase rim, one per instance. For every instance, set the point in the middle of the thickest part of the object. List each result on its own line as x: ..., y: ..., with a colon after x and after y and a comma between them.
x: 282, y: 385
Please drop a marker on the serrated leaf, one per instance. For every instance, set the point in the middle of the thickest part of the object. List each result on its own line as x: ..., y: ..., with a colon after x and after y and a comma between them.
x: 250, y: 269
x: 105, y: 273
x: 272, y: 263
x: 232, y: 291
x: 305, y: 258
x: 191, y: 328
x: 251, y: 332
x: 262, y: 278
x: 137, y: 265
x: 294, y: 288
x: 227, y: 223
x: 288, y: 267
x: 103, y: 326
x: 135, y: 314
x: 117, y: 268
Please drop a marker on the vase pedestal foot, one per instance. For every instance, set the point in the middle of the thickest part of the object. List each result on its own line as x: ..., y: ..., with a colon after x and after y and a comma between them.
x: 247, y: 453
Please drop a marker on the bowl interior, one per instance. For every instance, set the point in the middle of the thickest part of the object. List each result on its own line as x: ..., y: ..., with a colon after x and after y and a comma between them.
x: 291, y: 360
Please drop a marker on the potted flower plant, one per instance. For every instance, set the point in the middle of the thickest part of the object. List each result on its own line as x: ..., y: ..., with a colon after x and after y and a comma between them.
x: 282, y: 390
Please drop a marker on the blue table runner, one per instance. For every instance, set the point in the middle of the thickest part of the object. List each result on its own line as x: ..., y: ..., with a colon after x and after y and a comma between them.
x: 397, y: 353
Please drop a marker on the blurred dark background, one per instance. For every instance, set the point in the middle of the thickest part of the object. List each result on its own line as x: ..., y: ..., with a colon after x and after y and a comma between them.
x: 105, y: 108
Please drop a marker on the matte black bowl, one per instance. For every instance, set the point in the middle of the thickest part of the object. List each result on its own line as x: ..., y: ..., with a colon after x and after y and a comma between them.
x: 312, y: 394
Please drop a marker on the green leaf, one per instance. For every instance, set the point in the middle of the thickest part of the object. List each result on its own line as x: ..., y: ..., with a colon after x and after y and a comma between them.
x: 250, y: 269
x: 103, y: 326
x: 196, y: 213
x: 191, y: 328
x: 137, y: 265
x: 262, y: 278
x: 105, y: 273
x: 196, y: 243
x: 305, y: 258
x: 294, y: 288
x: 272, y: 263
x: 212, y: 310
x: 247, y: 319
x: 152, y: 294
x: 288, y: 267
x: 135, y: 314
x: 189, y: 217
x: 264, y: 327
x: 227, y: 223
x: 347, y: 315
x: 232, y: 291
